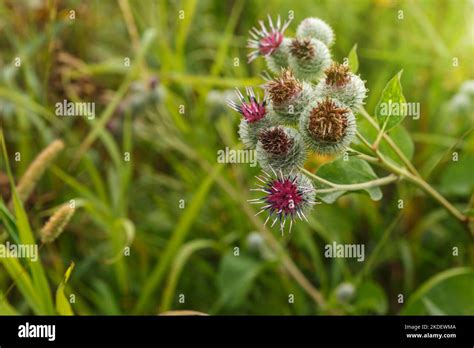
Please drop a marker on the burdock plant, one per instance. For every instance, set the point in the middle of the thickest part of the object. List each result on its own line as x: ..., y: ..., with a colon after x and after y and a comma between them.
x: 327, y: 126
x: 270, y: 43
x: 281, y: 148
x: 342, y: 84
x: 317, y: 29
x: 309, y: 58
x: 288, y: 97
x: 311, y: 106
x: 286, y: 197
x: 255, y: 116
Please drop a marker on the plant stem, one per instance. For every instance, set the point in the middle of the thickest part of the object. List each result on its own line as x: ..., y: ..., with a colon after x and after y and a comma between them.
x: 352, y: 187
x: 318, y: 178
x: 287, y: 263
x: 390, y: 142
x: 415, y: 178
x: 364, y: 156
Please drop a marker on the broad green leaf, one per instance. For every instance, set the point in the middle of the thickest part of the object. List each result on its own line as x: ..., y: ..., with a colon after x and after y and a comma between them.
x: 447, y: 293
x: 353, y: 59
x: 63, y: 307
x: 351, y: 171
x: 370, y: 299
x: 457, y: 178
x: 431, y: 308
x: 235, y: 278
x: 390, y: 110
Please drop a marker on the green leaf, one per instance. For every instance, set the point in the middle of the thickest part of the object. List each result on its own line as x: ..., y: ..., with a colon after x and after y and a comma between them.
x: 24, y: 283
x: 186, y: 251
x: 352, y: 171
x: 63, y: 307
x: 235, y: 279
x: 447, y: 293
x: 457, y: 178
x: 179, y: 234
x: 353, y: 59
x: 8, y: 221
x: 26, y: 236
x: 389, y: 111
x: 5, y: 307
x: 431, y: 308
x: 370, y: 298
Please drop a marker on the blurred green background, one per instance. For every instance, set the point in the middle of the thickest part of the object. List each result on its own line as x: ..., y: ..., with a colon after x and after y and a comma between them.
x: 181, y: 213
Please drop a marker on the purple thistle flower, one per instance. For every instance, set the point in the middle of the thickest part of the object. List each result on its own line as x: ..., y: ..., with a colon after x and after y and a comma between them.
x: 264, y: 42
x: 251, y: 108
x: 287, y: 196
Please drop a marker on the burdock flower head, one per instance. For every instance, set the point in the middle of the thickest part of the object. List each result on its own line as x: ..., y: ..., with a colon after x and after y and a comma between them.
x: 281, y: 148
x: 317, y: 29
x: 327, y: 126
x: 343, y: 85
x: 309, y: 58
x: 288, y: 97
x: 266, y: 42
x: 286, y: 197
x: 255, y: 116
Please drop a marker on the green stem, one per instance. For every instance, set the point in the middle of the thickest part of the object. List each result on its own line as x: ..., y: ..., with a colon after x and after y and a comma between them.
x: 390, y: 142
x: 415, y: 179
x: 352, y: 187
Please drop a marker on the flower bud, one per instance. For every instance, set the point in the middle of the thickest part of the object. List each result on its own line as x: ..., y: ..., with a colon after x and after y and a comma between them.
x: 315, y: 28
x: 343, y: 85
x: 345, y: 292
x: 255, y: 241
x: 255, y: 116
x: 249, y: 132
x: 288, y: 97
x: 286, y: 197
x: 265, y: 41
x: 279, y: 58
x: 309, y: 58
x: 280, y: 148
x: 327, y: 126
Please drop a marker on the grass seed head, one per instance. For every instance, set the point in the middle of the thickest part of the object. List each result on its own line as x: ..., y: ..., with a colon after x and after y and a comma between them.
x: 35, y: 171
x: 56, y: 223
